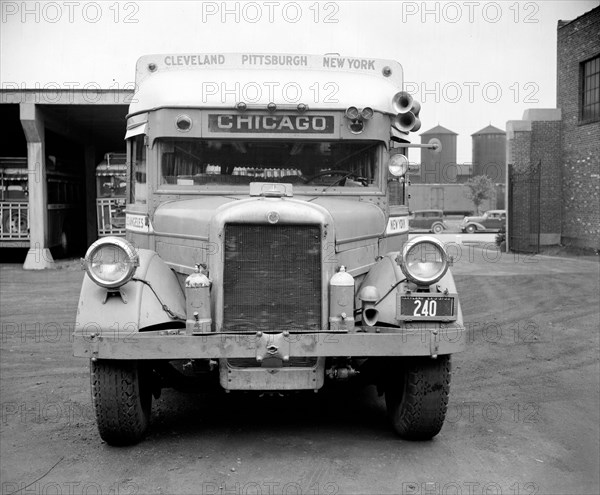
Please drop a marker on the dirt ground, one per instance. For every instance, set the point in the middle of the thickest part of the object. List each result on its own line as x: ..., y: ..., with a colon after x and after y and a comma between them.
x: 523, y: 417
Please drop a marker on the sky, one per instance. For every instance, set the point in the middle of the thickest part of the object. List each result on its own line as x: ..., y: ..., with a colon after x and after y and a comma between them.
x: 469, y: 63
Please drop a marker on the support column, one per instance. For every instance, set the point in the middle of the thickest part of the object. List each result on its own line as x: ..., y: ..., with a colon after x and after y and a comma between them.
x: 39, y: 256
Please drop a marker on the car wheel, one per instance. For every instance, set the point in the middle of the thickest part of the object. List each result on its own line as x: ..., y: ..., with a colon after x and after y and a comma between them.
x: 471, y: 228
x: 438, y: 228
x: 122, y: 399
x: 417, y: 399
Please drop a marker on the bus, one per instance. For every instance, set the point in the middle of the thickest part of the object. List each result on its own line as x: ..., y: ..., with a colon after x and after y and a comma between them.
x: 110, y: 194
x: 64, y: 203
x: 267, y: 243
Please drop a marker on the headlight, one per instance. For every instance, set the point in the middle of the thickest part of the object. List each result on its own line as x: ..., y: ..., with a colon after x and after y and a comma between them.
x: 424, y: 260
x: 111, y: 262
x: 398, y: 165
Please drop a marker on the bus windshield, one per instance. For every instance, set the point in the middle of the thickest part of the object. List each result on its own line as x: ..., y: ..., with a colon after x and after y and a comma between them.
x: 197, y: 162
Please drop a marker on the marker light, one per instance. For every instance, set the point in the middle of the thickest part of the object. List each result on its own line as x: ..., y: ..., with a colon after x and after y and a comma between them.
x: 271, y: 107
x: 352, y: 113
x: 111, y: 262
x: 184, y: 123
x: 302, y: 107
x: 366, y: 113
x: 423, y: 260
x: 398, y: 165
x: 241, y: 106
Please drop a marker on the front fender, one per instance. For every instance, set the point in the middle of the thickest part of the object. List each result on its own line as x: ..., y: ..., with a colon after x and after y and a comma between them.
x: 136, y: 306
x: 385, y: 274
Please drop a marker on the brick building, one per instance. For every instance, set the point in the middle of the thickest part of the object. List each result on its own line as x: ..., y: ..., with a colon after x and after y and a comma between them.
x: 534, y: 156
x: 578, y: 97
x: 554, y: 154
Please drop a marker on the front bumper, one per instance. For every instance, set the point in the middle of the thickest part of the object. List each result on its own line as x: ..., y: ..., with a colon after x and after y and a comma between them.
x: 411, y: 340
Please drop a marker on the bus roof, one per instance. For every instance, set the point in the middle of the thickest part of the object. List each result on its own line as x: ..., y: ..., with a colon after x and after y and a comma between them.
x: 221, y: 80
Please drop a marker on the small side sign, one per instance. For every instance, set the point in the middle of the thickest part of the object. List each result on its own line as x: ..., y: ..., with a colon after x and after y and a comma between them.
x: 137, y: 223
x: 397, y: 225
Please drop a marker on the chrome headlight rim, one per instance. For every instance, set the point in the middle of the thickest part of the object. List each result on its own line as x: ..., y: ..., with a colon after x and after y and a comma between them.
x: 130, y: 254
x: 413, y: 243
x: 398, y: 165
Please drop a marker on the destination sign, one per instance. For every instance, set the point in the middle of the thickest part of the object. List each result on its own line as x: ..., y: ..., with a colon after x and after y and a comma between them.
x: 279, y: 124
x: 199, y: 60
x: 267, y: 60
x: 289, y: 60
x: 328, y: 62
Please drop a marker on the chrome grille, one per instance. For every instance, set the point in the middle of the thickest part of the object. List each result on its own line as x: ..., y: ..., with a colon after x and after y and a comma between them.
x: 272, y: 278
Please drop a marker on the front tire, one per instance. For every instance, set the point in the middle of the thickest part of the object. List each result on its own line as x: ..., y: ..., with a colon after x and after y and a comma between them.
x: 122, y: 399
x: 470, y: 229
x: 417, y: 399
x: 438, y: 228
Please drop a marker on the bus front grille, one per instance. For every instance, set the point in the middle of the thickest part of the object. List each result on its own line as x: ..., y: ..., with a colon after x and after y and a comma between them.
x: 272, y: 278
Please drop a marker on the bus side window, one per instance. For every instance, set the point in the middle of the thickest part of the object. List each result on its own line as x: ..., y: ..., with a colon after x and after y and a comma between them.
x: 138, y: 190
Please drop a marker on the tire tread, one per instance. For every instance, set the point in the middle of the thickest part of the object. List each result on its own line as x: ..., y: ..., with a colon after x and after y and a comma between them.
x: 122, y: 409
x: 418, y: 412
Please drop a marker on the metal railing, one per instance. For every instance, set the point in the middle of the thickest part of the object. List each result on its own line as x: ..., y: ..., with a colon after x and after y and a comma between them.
x: 524, y: 209
x: 111, y: 219
x: 14, y: 221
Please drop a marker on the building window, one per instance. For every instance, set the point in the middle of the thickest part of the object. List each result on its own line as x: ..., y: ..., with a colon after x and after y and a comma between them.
x: 590, y: 90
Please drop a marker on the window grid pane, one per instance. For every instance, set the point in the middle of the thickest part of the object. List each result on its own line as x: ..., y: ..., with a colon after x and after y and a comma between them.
x: 590, y: 90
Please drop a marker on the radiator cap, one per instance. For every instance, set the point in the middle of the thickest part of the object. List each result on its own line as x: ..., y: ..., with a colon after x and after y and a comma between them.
x: 271, y: 189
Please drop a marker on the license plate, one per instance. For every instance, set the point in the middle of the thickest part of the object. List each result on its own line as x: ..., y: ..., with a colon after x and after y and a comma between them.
x: 427, y: 307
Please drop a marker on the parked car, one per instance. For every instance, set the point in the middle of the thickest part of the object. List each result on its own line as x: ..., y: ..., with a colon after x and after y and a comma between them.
x: 431, y: 220
x: 491, y: 220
